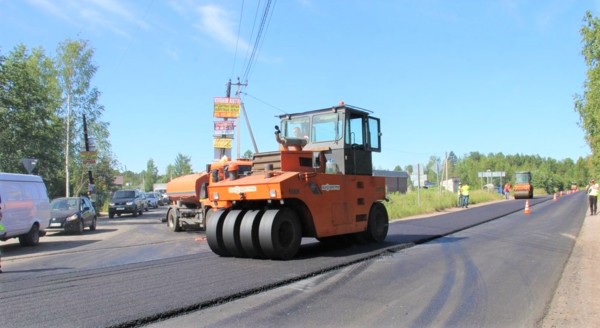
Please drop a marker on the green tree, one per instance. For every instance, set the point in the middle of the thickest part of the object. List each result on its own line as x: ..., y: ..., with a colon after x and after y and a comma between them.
x: 182, y: 165
x: 248, y: 154
x: 169, y: 174
x: 75, y: 74
x: 29, y: 98
x: 587, y: 104
x: 150, y: 175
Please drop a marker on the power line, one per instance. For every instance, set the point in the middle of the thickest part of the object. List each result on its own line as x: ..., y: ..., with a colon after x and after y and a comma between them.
x: 238, y: 39
x: 252, y: 31
x: 264, y: 102
x: 257, y: 41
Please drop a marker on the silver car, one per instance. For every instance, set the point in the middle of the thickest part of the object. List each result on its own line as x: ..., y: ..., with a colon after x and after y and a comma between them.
x: 152, y: 199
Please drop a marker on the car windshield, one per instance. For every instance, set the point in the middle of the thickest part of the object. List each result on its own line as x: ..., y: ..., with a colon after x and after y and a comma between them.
x: 150, y: 195
x: 124, y: 194
x: 64, y: 204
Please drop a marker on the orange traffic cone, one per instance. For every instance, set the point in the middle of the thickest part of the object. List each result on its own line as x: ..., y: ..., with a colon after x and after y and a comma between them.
x: 527, y: 210
x: 554, y: 197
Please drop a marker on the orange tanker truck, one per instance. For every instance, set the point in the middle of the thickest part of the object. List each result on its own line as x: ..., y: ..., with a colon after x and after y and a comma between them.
x: 190, y: 207
x: 318, y: 184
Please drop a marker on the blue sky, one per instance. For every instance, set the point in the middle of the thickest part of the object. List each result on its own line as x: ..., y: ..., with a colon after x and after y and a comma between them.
x: 487, y: 76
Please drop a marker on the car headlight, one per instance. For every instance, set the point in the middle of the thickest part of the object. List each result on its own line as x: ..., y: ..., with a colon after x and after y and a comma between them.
x: 111, y: 204
x: 129, y: 203
x: 72, y: 217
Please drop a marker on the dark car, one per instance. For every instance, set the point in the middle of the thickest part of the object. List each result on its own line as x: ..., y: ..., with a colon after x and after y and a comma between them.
x: 72, y: 214
x: 127, y: 201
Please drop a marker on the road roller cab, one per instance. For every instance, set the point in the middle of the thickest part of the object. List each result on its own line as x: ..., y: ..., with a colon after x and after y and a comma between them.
x: 318, y: 184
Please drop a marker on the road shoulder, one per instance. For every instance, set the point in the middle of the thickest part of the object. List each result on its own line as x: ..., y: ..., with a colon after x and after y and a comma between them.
x: 576, y: 302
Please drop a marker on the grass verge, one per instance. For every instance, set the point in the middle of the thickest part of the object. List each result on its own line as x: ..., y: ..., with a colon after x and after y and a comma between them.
x: 431, y: 200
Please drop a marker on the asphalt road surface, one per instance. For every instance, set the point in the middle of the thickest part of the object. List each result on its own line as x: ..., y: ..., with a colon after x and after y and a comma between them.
x: 487, y: 266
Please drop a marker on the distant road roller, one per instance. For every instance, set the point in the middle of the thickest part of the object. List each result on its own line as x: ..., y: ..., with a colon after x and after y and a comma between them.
x: 318, y: 184
x: 523, y: 188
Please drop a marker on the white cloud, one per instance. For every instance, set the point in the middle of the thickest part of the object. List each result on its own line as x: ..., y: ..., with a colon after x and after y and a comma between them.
x: 109, y: 15
x: 117, y: 8
x: 51, y: 8
x: 216, y: 22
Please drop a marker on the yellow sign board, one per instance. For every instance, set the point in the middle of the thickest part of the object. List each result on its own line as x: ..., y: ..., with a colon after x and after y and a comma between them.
x: 222, y: 143
x: 227, y: 107
x: 88, y: 155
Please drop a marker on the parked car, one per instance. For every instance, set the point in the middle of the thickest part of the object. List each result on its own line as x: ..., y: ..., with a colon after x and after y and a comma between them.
x: 127, y: 201
x: 165, y: 199
x: 152, y: 199
x: 145, y: 200
x: 25, y: 207
x: 72, y: 214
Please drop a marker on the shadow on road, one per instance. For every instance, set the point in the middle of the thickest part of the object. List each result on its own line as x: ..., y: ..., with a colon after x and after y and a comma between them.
x: 86, y: 232
x: 44, y: 247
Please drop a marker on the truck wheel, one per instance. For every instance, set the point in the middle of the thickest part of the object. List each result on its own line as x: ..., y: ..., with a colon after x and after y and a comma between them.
x: 135, y: 213
x: 377, y: 227
x: 249, y: 233
x: 214, y: 233
x: 32, y: 238
x: 173, y: 221
x: 231, y: 233
x: 280, y: 233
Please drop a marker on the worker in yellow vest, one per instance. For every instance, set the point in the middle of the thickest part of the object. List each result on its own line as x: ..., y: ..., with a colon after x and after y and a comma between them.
x: 465, y: 195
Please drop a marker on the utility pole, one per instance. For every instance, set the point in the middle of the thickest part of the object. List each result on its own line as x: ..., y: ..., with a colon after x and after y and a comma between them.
x: 68, y: 141
x: 243, y: 108
x: 91, y: 186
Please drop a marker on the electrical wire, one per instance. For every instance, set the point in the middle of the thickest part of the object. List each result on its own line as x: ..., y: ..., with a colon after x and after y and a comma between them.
x: 258, y: 40
x: 238, y: 39
x: 264, y: 102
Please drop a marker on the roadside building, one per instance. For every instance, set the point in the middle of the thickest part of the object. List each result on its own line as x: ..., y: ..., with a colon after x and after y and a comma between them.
x: 395, y: 181
x: 451, y: 185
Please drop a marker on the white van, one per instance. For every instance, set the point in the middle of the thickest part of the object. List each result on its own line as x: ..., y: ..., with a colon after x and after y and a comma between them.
x: 25, y: 207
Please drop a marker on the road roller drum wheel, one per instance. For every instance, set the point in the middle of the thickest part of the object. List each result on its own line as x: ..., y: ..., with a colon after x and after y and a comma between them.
x: 231, y: 233
x: 280, y: 234
x: 214, y: 233
x: 249, y: 233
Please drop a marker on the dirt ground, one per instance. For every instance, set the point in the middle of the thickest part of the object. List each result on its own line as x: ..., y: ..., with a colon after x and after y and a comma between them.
x: 576, y: 302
